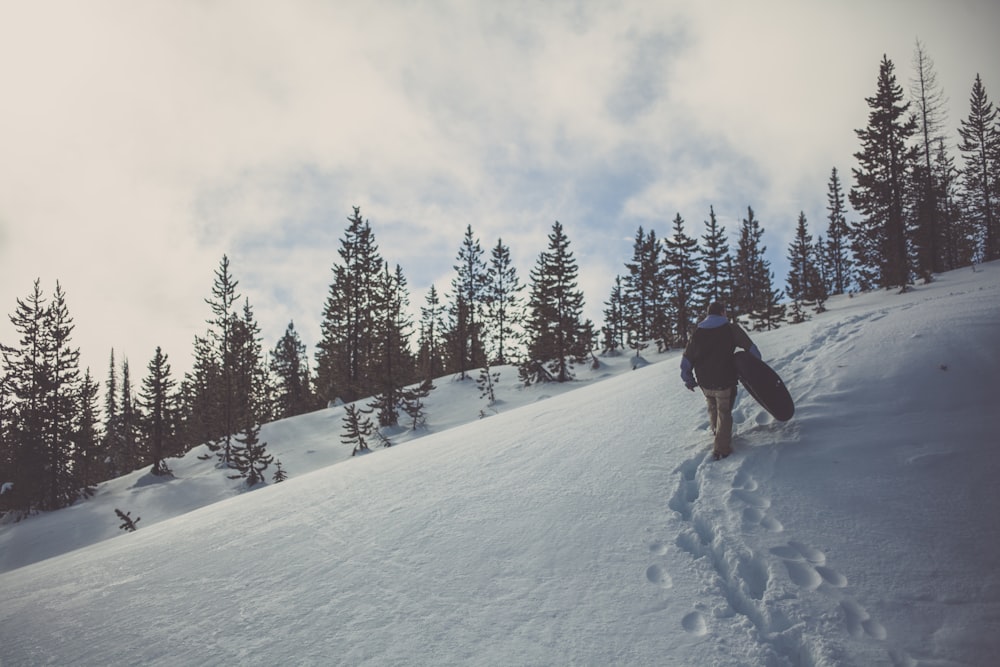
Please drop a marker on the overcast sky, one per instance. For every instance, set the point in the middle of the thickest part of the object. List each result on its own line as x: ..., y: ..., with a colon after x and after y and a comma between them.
x: 141, y: 141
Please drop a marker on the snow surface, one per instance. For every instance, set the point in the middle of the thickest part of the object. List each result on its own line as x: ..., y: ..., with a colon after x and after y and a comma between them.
x: 578, y: 524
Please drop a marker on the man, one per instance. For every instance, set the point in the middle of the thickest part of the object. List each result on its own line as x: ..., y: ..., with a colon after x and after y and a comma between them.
x: 709, y: 354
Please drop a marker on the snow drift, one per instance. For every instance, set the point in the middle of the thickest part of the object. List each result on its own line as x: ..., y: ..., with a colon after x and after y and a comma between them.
x: 579, y: 524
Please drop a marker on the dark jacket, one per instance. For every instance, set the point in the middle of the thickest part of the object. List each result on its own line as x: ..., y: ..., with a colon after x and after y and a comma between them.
x: 710, y: 353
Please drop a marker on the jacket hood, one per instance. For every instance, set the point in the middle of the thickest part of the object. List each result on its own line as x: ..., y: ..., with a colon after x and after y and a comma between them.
x: 713, y: 322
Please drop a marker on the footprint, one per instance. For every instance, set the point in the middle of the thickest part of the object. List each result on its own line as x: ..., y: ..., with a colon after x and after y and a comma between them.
x: 658, y: 548
x: 751, y: 498
x: 859, y: 622
x: 744, y: 480
x: 803, y: 575
x: 771, y: 524
x: 832, y: 577
x: 787, y: 553
x: 695, y: 623
x: 811, y: 554
x: 657, y: 575
x: 755, y: 516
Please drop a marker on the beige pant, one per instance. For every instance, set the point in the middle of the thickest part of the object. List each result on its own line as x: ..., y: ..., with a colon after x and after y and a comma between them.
x: 720, y: 416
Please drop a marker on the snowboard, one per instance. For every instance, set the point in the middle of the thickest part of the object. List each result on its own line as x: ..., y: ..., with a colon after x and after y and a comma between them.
x: 764, y: 385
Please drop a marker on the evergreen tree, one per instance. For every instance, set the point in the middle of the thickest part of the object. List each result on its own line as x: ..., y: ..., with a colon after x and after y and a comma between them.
x: 751, y: 271
x: 644, y: 294
x: 7, y: 451
x: 468, y: 297
x: 357, y: 429
x: 881, y: 180
x: 42, y: 392
x: 504, y: 307
x: 431, y: 356
x: 413, y: 403
x: 201, y: 421
x: 158, y: 401
x: 805, y: 286
x: 614, y: 330
x: 132, y: 454
x: 958, y: 233
x: 112, y: 420
x: 63, y: 404
x: 771, y: 312
x: 835, y: 252
x: 346, y: 366
x: 290, y: 365
x: 683, y: 277
x: 927, y: 97
x: 716, y: 260
x: 393, y: 347
x: 221, y: 338
x: 557, y: 337
x: 980, y: 149
x: 88, y: 452
x: 250, y: 457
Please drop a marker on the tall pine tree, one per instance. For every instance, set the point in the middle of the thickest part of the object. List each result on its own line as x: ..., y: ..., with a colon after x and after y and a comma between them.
x: 557, y: 336
x: 504, y: 308
x: 881, y: 181
x: 346, y: 367
x: 980, y: 149
x: 468, y: 296
x: 683, y: 279
x: 835, y: 252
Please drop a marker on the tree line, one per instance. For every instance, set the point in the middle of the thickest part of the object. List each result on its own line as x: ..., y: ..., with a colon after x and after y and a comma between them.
x: 918, y: 214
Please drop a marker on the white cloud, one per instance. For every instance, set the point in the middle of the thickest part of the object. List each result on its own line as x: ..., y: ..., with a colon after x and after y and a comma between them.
x: 141, y: 142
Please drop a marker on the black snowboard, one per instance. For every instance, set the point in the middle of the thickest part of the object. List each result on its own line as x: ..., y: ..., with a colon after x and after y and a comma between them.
x: 764, y: 385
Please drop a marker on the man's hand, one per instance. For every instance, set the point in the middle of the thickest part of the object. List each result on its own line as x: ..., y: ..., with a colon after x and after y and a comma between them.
x: 691, y: 385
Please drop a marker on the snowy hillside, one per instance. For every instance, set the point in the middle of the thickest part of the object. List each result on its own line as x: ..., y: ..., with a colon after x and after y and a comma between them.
x: 581, y: 524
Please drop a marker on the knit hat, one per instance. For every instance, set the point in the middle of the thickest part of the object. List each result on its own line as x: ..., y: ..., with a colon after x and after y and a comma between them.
x: 716, y: 308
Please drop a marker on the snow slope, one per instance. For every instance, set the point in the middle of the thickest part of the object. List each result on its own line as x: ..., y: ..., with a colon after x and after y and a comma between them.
x: 581, y: 524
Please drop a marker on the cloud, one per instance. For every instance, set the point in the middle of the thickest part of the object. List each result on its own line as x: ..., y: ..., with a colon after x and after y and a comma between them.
x: 141, y: 142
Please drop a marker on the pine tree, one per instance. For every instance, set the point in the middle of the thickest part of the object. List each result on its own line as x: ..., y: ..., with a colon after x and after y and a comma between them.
x: 557, y: 337
x: 64, y: 400
x: 614, y: 330
x: 751, y: 271
x: 958, y: 233
x: 346, y: 367
x: 805, y: 287
x: 201, y: 411
x: 250, y: 457
x: 980, y: 150
x: 683, y: 277
x: 487, y: 382
x: 392, y: 340
x: 413, y: 403
x: 716, y: 260
x: 357, y: 429
x: 644, y: 293
x: 468, y: 297
x: 290, y: 365
x: 504, y: 309
x: 131, y: 453
x: 221, y: 339
x: 42, y: 395
x: 158, y: 402
x: 431, y: 356
x: 771, y: 312
x: 837, y: 263
x: 928, y: 233
x: 89, y: 466
x: 881, y: 180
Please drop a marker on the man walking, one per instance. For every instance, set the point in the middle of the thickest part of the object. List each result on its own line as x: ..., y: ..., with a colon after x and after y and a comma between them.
x: 709, y: 355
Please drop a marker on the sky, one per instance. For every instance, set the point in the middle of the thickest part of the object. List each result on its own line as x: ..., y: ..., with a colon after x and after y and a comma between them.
x: 141, y: 142
x: 581, y: 523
